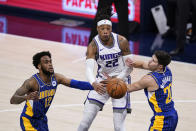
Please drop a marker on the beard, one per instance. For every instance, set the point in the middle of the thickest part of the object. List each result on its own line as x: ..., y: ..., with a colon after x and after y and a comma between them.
x: 48, y: 73
x: 105, y: 39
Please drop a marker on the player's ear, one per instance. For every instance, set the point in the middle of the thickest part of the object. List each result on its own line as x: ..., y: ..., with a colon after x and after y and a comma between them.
x: 160, y: 66
x: 39, y: 66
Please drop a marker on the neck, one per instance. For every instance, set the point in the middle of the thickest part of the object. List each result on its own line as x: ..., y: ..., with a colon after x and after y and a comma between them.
x: 160, y: 70
x: 44, y: 77
x: 108, y: 43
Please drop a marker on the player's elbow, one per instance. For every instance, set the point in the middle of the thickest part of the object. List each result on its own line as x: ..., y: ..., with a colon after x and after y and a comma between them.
x: 12, y: 101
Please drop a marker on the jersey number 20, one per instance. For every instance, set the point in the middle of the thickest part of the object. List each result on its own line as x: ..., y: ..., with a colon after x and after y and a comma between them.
x: 167, y: 90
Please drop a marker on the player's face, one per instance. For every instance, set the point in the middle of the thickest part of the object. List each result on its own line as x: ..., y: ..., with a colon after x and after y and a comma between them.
x: 104, y: 32
x: 46, y: 65
x: 153, y: 63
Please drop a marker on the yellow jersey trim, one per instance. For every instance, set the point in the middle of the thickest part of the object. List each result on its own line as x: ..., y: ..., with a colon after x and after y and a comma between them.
x: 158, y: 123
x: 153, y: 100
x: 27, y: 124
x: 43, y: 81
x: 29, y: 109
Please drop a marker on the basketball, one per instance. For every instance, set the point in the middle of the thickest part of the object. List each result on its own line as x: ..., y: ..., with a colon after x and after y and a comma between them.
x: 116, y: 88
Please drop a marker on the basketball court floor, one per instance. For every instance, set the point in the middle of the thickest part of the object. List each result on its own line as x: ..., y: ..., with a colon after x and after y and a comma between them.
x: 67, y: 108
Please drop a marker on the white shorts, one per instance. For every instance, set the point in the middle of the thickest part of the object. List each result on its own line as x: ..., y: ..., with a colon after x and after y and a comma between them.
x: 121, y: 103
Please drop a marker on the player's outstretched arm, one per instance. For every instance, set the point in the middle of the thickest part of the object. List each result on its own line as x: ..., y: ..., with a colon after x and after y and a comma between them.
x: 25, y: 92
x: 82, y: 85
x: 144, y: 82
x: 136, y: 64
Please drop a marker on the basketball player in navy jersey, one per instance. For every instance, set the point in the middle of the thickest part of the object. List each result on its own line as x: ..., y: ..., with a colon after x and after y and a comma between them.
x: 157, y: 86
x: 38, y: 92
x: 108, y: 50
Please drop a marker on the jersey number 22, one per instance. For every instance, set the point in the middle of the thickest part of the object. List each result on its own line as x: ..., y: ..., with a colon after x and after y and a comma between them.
x: 112, y: 63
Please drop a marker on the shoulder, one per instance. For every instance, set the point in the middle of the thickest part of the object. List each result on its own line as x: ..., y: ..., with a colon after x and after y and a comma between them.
x: 31, y: 84
x: 150, y: 83
x: 91, y: 50
x: 148, y: 80
x: 124, y: 45
x: 92, y: 44
x: 31, y: 81
x: 122, y: 39
x: 168, y: 68
x: 59, y: 77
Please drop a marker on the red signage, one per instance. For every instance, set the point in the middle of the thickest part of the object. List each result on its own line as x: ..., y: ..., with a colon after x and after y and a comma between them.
x: 43, y: 30
x: 76, y: 36
x: 82, y: 8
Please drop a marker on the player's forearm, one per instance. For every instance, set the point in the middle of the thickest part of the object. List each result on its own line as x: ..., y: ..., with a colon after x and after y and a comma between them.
x: 133, y: 87
x: 82, y: 85
x: 16, y: 99
x: 140, y: 64
x: 90, y: 63
x: 124, y: 73
x: 127, y: 70
x: 130, y: 89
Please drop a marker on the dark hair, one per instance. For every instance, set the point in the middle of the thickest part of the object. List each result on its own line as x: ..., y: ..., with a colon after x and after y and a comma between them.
x: 38, y: 56
x: 163, y: 58
x: 104, y: 13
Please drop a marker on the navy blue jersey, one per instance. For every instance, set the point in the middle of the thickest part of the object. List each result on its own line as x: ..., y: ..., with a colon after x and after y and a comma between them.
x: 38, y: 109
x: 165, y: 116
x: 161, y: 99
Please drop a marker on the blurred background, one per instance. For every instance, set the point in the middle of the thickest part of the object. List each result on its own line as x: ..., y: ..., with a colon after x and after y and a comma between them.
x: 70, y: 21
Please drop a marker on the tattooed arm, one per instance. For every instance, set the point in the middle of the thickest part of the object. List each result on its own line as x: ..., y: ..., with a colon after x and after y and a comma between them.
x: 124, y: 46
x: 28, y: 91
x: 91, y: 50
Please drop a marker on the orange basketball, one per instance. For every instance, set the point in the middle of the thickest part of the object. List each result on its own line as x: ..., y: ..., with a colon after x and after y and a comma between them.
x: 116, y: 88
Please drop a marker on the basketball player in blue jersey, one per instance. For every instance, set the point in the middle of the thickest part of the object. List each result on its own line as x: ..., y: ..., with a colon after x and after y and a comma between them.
x: 108, y: 50
x: 157, y: 86
x: 38, y: 92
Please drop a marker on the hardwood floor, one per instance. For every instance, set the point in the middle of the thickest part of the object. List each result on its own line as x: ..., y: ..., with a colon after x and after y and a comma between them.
x: 67, y: 108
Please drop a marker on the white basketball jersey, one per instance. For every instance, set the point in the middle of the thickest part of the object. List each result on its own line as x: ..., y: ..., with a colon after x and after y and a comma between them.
x: 109, y: 59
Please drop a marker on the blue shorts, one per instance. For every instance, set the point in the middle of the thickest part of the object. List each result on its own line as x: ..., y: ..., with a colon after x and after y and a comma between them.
x: 164, y: 121
x: 32, y: 124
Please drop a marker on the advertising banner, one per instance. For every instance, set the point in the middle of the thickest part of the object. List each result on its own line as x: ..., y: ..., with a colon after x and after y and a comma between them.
x: 81, y: 8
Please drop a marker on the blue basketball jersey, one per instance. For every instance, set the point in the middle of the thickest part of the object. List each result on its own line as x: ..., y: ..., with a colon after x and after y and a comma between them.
x: 38, y: 109
x: 161, y: 99
x: 165, y: 116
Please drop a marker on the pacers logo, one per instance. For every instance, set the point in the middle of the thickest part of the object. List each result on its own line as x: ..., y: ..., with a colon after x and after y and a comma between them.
x: 53, y: 83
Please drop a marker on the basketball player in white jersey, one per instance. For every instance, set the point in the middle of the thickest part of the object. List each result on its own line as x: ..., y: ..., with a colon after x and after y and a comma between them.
x: 108, y: 50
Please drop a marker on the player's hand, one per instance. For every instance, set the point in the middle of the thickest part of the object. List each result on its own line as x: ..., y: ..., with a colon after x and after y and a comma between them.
x: 129, y: 62
x: 108, y: 78
x: 33, y: 96
x: 99, y: 88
